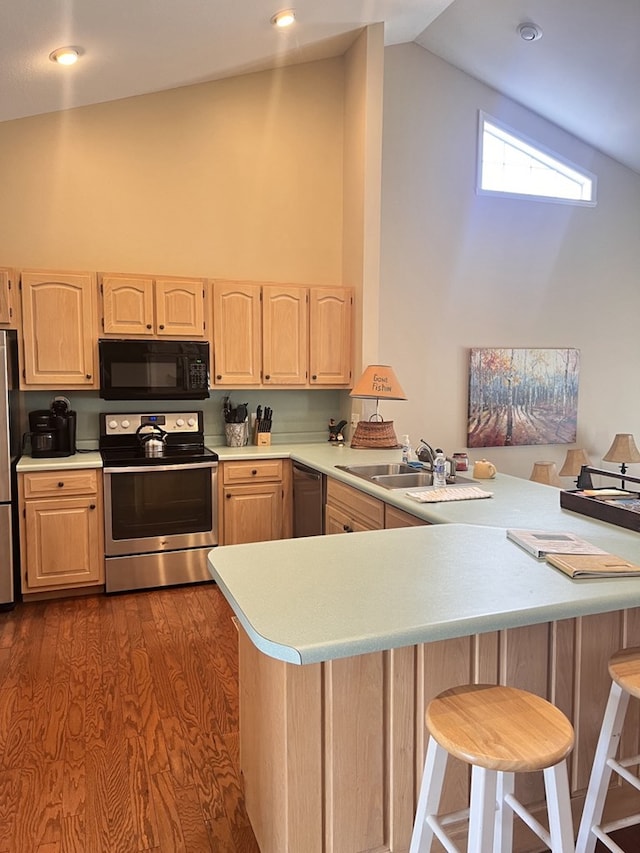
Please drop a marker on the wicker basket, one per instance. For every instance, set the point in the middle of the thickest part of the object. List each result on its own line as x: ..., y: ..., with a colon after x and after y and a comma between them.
x: 379, y: 435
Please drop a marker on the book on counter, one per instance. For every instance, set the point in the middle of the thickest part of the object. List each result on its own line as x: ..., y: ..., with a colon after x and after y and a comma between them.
x: 593, y: 565
x: 543, y: 542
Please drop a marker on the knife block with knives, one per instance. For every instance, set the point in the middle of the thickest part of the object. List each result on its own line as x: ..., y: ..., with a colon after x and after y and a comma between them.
x: 262, y: 427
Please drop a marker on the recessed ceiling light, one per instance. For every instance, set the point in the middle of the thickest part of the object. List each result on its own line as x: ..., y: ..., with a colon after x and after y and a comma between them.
x: 530, y: 32
x: 65, y: 55
x: 284, y: 18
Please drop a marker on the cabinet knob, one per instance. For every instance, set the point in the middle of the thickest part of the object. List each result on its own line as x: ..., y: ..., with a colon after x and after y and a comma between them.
x: 254, y: 472
x: 268, y: 376
x: 92, y: 506
x: 149, y: 326
x: 314, y: 377
x: 60, y: 484
x: 161, y: 327
x: 347, y: 529
x: 88, y: 376
x: 228, y: 497
x: 218, y: 376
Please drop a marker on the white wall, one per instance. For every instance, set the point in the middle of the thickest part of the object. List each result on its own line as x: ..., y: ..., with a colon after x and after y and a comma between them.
x: 459, y: 270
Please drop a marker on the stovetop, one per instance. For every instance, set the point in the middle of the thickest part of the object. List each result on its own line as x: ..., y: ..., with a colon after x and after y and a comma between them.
x: 121, y: 438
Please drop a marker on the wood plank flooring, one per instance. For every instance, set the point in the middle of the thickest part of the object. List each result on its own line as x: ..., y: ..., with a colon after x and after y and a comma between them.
x: 119, y: 726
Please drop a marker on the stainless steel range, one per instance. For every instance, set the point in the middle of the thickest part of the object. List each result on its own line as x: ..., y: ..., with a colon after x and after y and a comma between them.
x: 160, y: 499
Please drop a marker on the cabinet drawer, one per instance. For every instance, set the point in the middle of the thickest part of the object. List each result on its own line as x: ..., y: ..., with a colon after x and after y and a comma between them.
x: 394, y: 517
x: 356, y: 503
x: 65, y: 482
x: 255, y: 471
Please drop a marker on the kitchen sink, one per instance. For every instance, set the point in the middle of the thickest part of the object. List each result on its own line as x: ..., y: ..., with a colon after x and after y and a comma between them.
x: 397, y: 475
x: 369, y: 471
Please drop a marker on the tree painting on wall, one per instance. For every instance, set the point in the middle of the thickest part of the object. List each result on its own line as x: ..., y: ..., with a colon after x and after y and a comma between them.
x: 522, y: 396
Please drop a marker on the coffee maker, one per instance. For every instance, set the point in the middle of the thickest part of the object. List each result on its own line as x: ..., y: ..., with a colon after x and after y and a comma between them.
x: 53, y: 431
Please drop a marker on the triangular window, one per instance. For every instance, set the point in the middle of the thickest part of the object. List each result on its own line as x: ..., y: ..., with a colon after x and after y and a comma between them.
x: 511, y: 164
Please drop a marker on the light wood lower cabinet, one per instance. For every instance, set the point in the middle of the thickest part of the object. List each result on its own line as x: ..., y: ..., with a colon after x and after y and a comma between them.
x: 348, y: 510
x: 394, y: 517
x: 332, y: 753
x: 61, y: 529
x: 255, y: 501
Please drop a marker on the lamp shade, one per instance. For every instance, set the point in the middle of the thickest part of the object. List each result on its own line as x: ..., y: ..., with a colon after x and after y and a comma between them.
x: 573, y: 462
x: 545, y: 472
x: 378, y: 382
x: 623, y: 449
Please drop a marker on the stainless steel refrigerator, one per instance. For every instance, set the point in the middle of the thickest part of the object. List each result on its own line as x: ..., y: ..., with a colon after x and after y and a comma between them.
x: 9, y: 453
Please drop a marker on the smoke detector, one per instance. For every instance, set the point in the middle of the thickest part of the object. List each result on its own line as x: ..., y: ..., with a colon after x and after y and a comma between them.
x: 529, y: 32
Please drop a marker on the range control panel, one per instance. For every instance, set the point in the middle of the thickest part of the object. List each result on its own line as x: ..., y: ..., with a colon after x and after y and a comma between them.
x: 129, y: 423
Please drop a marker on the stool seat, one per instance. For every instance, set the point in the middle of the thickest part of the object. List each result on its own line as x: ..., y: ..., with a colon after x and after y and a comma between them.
x: 624, y: 669
x: 500, y: 728
x: 498, y: 731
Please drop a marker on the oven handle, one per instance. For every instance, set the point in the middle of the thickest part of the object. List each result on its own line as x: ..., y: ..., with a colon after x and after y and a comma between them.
x: 150, y: 469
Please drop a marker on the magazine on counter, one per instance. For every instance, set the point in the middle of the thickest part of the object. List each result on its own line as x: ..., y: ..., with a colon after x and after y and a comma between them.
x: 593, y: 565
x: 543, y: 542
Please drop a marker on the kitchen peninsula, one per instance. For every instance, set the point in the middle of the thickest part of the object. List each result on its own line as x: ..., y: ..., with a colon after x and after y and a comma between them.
x: 344, y: 639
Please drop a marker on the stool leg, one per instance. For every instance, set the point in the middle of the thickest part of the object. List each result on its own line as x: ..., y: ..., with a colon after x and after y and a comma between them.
x: 482, y: 812
x: 429, y: 798
x: 556, y: 786
x: 503, y: 838
x: 607, y: 747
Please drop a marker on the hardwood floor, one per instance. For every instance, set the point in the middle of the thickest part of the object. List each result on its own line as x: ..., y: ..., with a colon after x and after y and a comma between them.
x: 119, y: 726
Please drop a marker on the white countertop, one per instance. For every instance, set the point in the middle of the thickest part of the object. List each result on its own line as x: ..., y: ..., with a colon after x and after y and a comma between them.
x: 326, y: 597
x: 88, y: 459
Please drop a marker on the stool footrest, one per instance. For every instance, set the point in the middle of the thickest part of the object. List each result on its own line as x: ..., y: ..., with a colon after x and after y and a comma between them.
x: 620, y: 768
x: 621, y: 823
x: 436, y: 825
x: 608, y: 842
x: 526, y: 817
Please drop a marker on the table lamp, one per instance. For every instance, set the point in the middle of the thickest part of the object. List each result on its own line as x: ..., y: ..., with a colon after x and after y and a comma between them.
x: 545, y: 472
x: 378, y: 382
x: 575, y: 459
x: 623, y: 449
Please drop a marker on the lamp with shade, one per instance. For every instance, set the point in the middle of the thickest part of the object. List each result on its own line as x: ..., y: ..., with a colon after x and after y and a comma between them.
x: 623, y: 449
x: 546, y: 473
x: 378, y: 382
x: 572, y: 466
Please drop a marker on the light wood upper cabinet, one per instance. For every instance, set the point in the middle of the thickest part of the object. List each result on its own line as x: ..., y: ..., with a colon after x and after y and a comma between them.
x: 134, y: 306
x: 281, y: 335
x: 127, y: 305
x: 330, y: 333
x: 59, y: 329
x: 7, y: 290
x: 237, y: 333
x: 284, y: 335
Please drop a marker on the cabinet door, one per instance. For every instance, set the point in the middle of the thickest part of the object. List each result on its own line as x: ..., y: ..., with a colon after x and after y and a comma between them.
x: 252, y: 513
x: 127, y: 305
x: 237, y: 333
x: 63, y: 546
x: 338, y: 521
x: 6, y: 300
x: 179, y: 308
x: 285, y: 347
x: 330, y: 348
x: 59, y: 329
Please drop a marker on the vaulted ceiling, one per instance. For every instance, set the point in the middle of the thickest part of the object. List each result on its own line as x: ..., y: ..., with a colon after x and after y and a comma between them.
x: 582, y: 74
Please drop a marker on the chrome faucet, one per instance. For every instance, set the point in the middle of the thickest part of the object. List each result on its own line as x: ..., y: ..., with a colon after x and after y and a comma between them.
x: 427, y: 455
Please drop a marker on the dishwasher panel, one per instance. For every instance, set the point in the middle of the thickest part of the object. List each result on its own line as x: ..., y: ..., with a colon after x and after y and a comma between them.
x: 308, y: 501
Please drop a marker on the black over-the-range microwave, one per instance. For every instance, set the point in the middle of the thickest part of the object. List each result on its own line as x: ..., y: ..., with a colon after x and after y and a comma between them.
x: 153, y: 370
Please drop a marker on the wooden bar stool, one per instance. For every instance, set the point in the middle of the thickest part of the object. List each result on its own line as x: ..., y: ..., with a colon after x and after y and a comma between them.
x: 499, y: 731
x: 624, y: 669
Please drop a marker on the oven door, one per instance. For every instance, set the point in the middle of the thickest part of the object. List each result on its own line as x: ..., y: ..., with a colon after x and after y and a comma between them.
x: 155, y: 508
